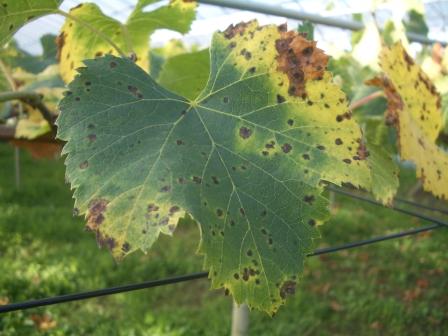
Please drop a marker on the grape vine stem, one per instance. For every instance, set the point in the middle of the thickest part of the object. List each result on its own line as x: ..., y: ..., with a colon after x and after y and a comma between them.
x: 34, y: 100
x: 365, y: 100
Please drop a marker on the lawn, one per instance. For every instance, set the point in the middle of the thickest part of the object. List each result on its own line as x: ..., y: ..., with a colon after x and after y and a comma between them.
x: 396, y: 287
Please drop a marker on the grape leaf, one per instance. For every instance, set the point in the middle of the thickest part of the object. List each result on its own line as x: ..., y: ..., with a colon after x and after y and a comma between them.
x: 383, y: 169
x: 77, y: 42
x: 245, y: 159
x: 306, y: 28
x: 32, y: 125
x: 415, y: 23
x: 15, y: 13
x: 186, y: 74
x: 37, y: 64
x: 414, y: 108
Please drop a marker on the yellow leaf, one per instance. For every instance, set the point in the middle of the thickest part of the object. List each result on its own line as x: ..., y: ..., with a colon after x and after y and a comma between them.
x: 32, y: 126
x: 414, y: 108
x: 83, y: 33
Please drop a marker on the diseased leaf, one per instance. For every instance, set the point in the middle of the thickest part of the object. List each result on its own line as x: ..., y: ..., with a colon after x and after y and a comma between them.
x: 186, y: 74
x: 77, y: 42
x: 414, y: 108
x: 15, y: 13
x: 245, y: 159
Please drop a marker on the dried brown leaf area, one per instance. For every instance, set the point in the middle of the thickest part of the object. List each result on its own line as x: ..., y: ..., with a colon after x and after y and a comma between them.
x: 300, y: 59
x: 414, y: 109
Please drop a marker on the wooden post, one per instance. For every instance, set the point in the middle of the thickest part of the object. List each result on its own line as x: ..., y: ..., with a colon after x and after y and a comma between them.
x: 240, y: 320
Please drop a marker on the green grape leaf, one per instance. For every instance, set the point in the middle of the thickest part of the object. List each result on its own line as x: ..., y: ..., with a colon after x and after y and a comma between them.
x: 16, y: 13
x: 383, y: 168
x: 414, y: 109
x: 415, y: 23
x: 186, y: 74
x: 79, y: 41
x: 246, y: 158
x: 306, y: 28
x: 36, y: 64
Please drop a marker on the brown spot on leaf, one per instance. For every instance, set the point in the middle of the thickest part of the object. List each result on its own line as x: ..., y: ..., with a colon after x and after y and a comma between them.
x: 135, y: 91
x: 309, y: 199
x: 362, y: 151
x: 126, y: 247
x: 300, y: 60
x: 233, y: 30
x: 282, y: 28
x: 280, y: 99
x: 174, y: 209
x: 245, y: 132
x: 197, y: 179
x: 152, y: 207
x: 166, y: 188
x: 286, y: 148
x: 394, y: 101
x: 84, y: 164
x: 288, y: 288
x: 60, y: 42
x: 95, y: 214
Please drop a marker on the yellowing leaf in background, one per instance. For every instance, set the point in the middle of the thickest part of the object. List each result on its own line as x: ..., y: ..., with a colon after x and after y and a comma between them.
x: 83, y: 36
x: 31, y: 126
x: 414, y: 108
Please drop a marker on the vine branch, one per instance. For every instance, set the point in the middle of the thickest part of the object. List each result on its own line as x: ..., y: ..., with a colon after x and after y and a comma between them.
x: 364, y: 100
x: 7, y: 75
x: 34, y: 100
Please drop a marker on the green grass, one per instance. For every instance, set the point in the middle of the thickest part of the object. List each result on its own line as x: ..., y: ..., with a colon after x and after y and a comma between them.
x: 392, y: 288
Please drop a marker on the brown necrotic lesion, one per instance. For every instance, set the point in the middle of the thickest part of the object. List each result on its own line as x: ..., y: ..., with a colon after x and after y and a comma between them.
x: 300, y: 60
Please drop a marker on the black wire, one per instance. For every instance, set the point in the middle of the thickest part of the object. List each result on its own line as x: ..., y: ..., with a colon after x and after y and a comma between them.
x: 371, y: 201
x: 172, y: 280
x: 374, y: 240
x: 99, y: 292
x: 402, y: 200
x: 426, y: 207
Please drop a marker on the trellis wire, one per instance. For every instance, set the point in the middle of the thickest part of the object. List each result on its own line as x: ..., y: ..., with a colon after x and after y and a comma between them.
x: 188, y: 277
x: 392, y: 207
x: 272, y: 9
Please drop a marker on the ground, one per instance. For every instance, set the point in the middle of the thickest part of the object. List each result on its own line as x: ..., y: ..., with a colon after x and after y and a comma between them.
x: 391, y: 288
